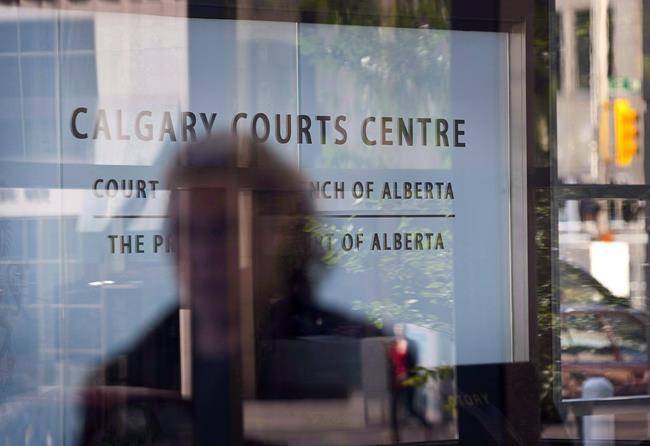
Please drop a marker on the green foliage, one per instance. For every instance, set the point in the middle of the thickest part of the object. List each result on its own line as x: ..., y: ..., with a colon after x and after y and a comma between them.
x: 416, y: 287
x: 420, y: 376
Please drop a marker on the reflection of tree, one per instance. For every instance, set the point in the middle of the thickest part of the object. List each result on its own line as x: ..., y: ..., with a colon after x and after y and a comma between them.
x: 376, y: 70
x: 373, y: 70
x: 408, y: 14
x: 414, y: 286
x: 386, y: 64
x: 437, y: 15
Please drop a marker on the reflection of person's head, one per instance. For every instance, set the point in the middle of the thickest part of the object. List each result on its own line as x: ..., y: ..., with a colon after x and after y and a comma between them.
x: 234, y: 188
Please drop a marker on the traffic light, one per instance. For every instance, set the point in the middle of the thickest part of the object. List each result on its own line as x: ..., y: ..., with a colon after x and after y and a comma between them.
x: 626, y: 131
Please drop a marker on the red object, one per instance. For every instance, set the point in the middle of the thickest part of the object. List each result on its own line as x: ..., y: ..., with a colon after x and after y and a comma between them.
x: 606, y: 237
x: 399, y: 361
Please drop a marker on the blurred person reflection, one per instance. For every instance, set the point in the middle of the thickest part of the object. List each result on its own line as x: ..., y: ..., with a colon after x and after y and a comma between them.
x: 182, y: 382
x: 403, y: 356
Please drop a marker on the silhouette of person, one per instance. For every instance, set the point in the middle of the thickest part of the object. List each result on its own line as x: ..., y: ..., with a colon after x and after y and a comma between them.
x: 238, y: 225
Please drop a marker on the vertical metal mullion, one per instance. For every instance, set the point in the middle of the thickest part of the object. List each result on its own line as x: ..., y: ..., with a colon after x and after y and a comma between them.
x: 645, y: 26
x: 554, y: 210
x: 520, y: 335
x: 61, y: 244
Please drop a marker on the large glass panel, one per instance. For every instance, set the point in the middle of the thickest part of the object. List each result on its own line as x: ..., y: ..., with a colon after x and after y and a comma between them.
x: 357, y: 289
x: 382, y: 252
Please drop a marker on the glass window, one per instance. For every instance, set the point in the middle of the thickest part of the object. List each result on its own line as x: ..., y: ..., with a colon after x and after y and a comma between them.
x: 350, y: 223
